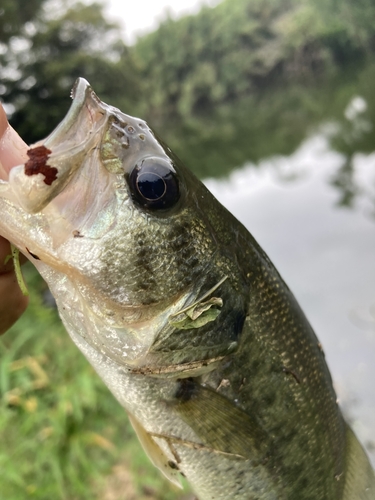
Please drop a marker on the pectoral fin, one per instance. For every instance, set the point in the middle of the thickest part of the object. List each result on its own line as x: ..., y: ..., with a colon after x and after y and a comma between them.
x: 218, y: 422
x: 155, y: 453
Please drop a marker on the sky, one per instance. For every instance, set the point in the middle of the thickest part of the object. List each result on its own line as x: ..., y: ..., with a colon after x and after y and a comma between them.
x: 142, y: 16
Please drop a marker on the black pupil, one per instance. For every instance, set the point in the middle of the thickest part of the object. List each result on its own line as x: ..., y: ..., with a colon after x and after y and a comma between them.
x: 151, y: 185
x: 154, y: 184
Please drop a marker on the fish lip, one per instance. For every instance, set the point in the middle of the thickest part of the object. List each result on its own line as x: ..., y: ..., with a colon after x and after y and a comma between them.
x: 80, y: 92
x: 79, y: 89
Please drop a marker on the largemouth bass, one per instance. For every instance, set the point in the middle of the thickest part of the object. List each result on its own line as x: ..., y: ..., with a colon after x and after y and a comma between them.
x: 181, y: 313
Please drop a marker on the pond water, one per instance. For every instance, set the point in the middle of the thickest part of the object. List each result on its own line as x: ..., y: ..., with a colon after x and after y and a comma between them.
x: 297, y: 167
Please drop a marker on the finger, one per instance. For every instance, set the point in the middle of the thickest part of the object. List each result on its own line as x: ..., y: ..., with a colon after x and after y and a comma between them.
x: 3, y: 121
x: 12, y: 148
x: 12, y: 302
x: 12, y: 153
x: 6, y: 262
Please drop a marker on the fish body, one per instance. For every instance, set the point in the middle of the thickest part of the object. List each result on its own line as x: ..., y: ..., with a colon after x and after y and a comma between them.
x: 181, y: 313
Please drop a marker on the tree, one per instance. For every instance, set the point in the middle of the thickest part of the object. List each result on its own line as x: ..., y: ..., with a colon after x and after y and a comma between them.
x: 14, y: 14
x: 45, y: 61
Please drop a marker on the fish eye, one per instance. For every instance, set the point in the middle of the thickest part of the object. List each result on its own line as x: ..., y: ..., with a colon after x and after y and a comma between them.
x: 154, y: 184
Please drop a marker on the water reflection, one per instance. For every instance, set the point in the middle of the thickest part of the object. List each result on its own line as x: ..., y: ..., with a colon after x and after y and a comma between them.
x: 324, y: 252
x: 353, y: 136
x: 276, y: 122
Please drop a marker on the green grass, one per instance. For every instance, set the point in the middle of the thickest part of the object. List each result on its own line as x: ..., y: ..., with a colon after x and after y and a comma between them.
x: 62, y: 434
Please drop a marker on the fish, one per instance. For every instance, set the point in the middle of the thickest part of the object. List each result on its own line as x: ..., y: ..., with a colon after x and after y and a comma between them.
x: 181, y: 313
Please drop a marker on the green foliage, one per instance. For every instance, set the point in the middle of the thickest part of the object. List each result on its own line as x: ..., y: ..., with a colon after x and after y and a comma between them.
x: 79, y: 42
x: 242, y: 46
x: 186, y: 68
x: 14, y: 14
x: 274, y: 121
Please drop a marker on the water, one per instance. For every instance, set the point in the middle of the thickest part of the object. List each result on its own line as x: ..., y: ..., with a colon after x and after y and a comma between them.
x: 297, y: 167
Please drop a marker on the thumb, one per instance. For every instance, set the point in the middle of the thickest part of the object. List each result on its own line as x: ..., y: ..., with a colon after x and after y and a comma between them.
x: 12, y: 148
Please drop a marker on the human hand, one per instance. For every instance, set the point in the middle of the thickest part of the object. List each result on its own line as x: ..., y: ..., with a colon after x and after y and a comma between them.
x: 12, y: 301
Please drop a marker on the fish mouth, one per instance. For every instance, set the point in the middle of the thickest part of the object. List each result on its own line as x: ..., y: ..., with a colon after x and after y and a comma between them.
x: 54, y: 161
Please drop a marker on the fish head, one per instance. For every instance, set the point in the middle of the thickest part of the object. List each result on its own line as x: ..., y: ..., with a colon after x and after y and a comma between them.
x: 136, y: 251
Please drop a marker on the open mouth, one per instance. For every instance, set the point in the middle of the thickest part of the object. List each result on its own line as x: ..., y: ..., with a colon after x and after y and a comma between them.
x: 54, y: 160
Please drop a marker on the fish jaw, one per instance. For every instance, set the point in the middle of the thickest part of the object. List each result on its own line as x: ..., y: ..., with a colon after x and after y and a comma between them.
x: 41, y: 206
x: 53, y: 161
